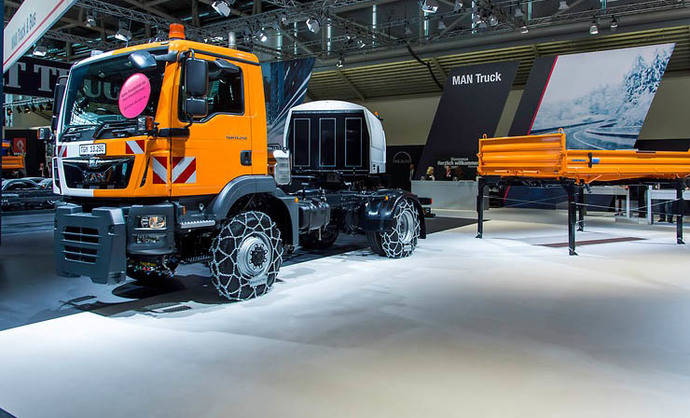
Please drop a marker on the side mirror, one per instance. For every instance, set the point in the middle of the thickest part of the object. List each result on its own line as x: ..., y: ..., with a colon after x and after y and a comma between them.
x: 58, y: 94
x: 142, y: 60
x: 196, y: 77
x: 195, y: 107
x: 45, y: 134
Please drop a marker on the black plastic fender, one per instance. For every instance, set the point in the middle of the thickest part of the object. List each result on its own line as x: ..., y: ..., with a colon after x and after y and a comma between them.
x: 376, y: 214
x: 254, y: 184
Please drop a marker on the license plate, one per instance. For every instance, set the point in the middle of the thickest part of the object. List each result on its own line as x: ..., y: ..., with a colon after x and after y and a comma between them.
x: 92, y: 149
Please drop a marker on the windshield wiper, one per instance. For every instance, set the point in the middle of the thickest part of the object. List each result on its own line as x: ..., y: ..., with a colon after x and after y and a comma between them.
x: 110, y: 125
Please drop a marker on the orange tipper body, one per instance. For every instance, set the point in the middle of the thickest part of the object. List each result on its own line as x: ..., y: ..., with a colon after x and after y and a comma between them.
x: 546, y: 157
x: 200, y: 163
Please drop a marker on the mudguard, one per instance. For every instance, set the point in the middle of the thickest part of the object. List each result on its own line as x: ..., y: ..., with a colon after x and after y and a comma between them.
x: 255, y: 184
x: 376, y: 214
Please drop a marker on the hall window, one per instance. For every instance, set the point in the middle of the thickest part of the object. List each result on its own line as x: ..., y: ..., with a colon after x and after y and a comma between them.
x: 353, y: 142
x: 301, y: 142
x: 327, y: 142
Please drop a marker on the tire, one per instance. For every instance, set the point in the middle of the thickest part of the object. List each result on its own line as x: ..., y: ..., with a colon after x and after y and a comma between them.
x: 246, y: 256
x: 401, y: 239
x: 312, y: 241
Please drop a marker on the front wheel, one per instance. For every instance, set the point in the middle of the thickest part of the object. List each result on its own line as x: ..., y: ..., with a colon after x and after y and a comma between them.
x: 246, y: 256
x: 400, y: 240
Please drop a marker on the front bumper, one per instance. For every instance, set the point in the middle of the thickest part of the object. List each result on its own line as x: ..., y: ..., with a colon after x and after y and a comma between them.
x: 96, y: 243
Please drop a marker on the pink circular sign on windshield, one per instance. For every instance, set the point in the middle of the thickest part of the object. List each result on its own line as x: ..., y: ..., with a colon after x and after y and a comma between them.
x: 134, y: 95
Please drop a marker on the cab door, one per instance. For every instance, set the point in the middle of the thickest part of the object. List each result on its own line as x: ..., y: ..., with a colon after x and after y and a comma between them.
x: 217, y: 148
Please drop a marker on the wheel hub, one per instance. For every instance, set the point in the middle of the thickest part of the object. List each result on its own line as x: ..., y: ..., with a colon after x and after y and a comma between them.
x: 254, y: 259
x: 405, y: 227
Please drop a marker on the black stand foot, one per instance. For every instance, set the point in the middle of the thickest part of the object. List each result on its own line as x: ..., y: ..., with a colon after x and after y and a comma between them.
x: 680, y: 187
x: 581, y: 208
x: 572, y: 207
x: 480, y: 207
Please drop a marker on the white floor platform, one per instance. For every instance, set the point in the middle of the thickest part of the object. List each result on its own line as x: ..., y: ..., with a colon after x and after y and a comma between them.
x: 499, y: 327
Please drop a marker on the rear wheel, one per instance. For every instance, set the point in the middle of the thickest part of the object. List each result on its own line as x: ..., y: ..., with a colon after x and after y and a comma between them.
x: 320, y: 239
x: 400, y: 240
x: 246, y: 256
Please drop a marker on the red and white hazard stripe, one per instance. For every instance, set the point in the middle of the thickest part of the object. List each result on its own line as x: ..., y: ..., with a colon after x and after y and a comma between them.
x: 159, y: 166
x: 61, y: 151
x: 184, y: 170
x: 135, y: 147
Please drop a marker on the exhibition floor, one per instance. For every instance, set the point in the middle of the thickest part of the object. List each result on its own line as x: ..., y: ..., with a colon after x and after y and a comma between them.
x: 507, y: 326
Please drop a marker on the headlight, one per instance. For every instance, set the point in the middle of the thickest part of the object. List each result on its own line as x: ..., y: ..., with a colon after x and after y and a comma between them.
x: 152, y: 222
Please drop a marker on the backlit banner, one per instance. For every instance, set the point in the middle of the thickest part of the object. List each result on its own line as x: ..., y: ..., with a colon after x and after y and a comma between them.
x: 600, y: 99
x: 34, y: 77
x: 27, y: 26
x: 471, y: 105
x: 285, y: 86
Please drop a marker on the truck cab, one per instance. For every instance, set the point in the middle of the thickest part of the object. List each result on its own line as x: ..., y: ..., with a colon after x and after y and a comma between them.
x: 162, y: 159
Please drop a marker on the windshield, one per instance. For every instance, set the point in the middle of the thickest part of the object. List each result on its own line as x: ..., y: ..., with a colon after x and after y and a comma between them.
x: 91, y: 99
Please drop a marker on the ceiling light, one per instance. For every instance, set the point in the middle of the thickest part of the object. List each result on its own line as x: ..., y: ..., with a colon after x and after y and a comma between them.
x: 283, y: 19
x: 313, y: 25
x: 429, y: 6
x: 594, y: 29
x: 441, y: 25
x: 261, y: 36
x: 457, y: 6
x: 524, y: 29
x: 40, y: 51
x: 614, y: 23
x: 563, y: 5
x: 340, y: 62
x: 90, y: 21
x: 123, y: 34
x: 221, y: 7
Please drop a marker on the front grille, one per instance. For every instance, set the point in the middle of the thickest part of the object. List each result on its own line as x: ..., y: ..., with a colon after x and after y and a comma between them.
x: 81, y: 244
x: 79, y: 234
x: 85, y: 255
x: 98, y: 173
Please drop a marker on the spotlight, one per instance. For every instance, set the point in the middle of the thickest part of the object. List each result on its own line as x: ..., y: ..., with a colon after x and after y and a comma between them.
x: 340, y: 63
x: 33, y: 108
x: 283, y: 19
x: 614, y: 23
x: 123, y: 34
x: 27, y: 109
x: 524, y: 29
x: 90, y: 21
x: 518, y: 12
x: 441, y: 25
x: 261, y: 36
x: 408, y: 31
x: 19, y: 109
x: 221, y: 7
x: 563, y: 5
x: 493, y: 20
x: 40, y: 51
x: 594, y: 28
x: 360, y: 44
x: 313, y: 25
x: 457, y: 6
x: 429, y: 6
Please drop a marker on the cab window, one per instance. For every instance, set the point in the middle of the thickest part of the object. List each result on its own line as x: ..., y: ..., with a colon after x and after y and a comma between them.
x: 225, y: 94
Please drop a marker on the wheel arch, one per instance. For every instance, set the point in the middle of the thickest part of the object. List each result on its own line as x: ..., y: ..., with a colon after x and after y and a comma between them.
x: 258, y: 193
x: 377, y: 213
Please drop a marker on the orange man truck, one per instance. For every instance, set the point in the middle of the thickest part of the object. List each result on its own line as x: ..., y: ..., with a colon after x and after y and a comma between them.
x: 162, y: 159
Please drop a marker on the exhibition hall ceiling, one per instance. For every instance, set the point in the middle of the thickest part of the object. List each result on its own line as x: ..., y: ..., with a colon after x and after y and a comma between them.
x: 375, y: 48
x: 410, y: 77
